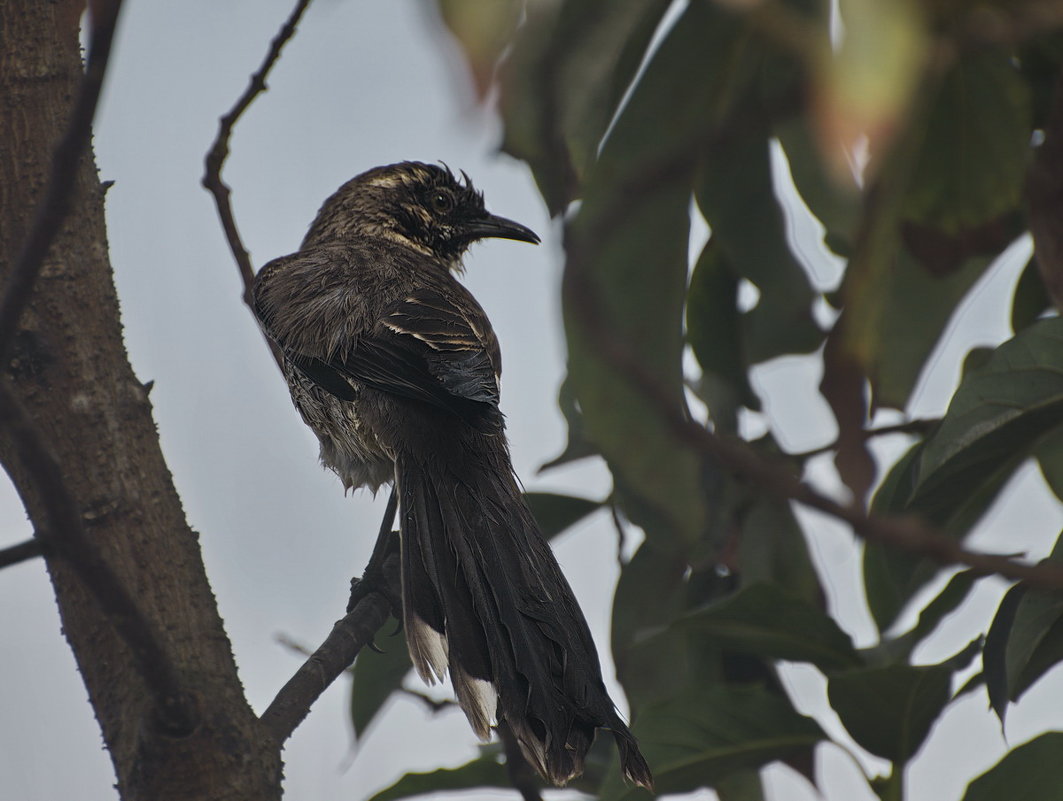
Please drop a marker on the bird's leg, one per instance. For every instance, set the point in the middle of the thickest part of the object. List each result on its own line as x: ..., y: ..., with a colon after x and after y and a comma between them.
x: 374, y: 579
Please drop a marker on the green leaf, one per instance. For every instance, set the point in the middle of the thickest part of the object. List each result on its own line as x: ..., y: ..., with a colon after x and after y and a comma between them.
x: 1025, y: 640
x: 994, y: 656
x: 485, y: 771
x: 735, y: 192
x: 889, y: 710
x: 836, y: 207
x: 1031, y: 299
x: 998, y: 416
x: 577, y: 447
x: 1049, y: 454
x: 1032, y: 771
x: 483, y: 31
x: 707, y: 733
x: 636, y: 213
x: 899, y: 649
x: 975, y: 145
x: 714, y: 333
x: 765, y: 620
x: 375, y: 677
x: 569, y: 69
x: 772, y: 549
x: 650, y: 670
x: 556, y: 513
x: 916, y: 306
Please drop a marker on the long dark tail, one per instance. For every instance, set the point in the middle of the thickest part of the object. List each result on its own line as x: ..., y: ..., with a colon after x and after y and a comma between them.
x: 484, y: 596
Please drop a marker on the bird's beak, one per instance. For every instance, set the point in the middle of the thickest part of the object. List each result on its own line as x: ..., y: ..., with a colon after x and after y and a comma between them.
x: 500, y: 228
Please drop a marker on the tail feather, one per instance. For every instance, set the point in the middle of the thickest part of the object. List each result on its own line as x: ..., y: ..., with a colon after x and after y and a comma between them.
x: 515, y: 638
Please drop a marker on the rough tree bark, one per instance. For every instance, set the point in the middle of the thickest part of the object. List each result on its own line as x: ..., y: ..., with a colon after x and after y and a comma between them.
x: 70, y: 371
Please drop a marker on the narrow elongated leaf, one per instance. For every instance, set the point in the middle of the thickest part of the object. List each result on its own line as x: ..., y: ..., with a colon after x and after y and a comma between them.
x: 715, y: 336
x: 375, y: 677
x: 735, y: 193
x: 1025, y: 640
x: 765, y: 620
x: 1032, y: 771
x: 709, y: 732
x: 556, y: 513
x: 772, y: 549
x: 623, y: 292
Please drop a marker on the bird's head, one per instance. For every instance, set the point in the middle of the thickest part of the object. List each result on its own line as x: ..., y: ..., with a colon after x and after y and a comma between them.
x: 423, y: 206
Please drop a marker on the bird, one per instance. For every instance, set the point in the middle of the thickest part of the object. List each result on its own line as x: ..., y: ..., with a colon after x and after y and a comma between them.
x: 395, y: 367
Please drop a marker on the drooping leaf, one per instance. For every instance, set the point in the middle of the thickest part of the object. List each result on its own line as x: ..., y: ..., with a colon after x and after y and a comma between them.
x: 772, y: 548
x: 975, y: 144
x: 709, y: 732
x: 764, y: 620
x: 1032, y: 771
x: 1049, y: 453
x: 375, y: 677
x: 577, y: 447
x: 561, y: 85
x: 623, y: 293
x: 889, y: 710
x: 994, y: 657
x: 715, y: 336
x: 649, y: 671
x: 1031, y: 299
x: 1025, y: 640
x: 735, y: 193
x: 556, y: 513
x: 484, y: 771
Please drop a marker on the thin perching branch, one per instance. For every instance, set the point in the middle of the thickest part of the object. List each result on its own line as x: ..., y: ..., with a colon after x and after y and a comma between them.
x: 347, y: 638
x: 219, y: 150
x: 21, y: 552
x: 63, y: 532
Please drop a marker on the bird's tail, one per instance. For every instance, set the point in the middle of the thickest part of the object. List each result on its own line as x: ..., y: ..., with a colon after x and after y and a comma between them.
x: 484, y: 597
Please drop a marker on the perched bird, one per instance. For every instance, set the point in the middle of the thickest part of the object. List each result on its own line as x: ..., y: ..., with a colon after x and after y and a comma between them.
x: 395, y: 367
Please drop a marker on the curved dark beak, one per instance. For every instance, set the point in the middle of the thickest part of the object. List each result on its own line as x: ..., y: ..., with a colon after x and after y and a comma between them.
x: 500, y: 228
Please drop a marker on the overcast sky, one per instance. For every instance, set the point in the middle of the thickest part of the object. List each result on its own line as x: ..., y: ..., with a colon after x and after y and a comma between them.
x: 368, y: 83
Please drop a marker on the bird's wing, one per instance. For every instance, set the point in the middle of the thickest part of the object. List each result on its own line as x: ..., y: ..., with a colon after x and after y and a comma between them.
x: 426, y: 347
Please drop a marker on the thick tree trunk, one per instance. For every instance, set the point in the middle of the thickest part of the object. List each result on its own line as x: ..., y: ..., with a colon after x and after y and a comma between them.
x: 70, y: 371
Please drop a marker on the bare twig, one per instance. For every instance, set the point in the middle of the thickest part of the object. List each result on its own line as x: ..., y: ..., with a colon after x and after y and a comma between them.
x: 219, y: 151
x: 54, y: 205
x: 65, y: 536
x: 431, y: 704
x: 917, y: 426
x: 333, y: 656
x: 64, y: 533
x: 21, y: 552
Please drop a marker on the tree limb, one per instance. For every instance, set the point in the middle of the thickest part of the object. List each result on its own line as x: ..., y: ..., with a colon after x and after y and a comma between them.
x: 176, y: 711
x: 65, y: 534
x: 348, y: 636
x: 55, y: 204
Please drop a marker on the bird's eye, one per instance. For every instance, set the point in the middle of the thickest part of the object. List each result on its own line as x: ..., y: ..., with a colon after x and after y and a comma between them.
x: 442, y: 201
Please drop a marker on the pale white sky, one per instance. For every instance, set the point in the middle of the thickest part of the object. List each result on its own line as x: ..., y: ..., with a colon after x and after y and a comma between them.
x: 365, y: 84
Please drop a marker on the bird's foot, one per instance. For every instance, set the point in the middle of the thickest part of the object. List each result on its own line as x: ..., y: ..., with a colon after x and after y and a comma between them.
x: 378, y: 577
